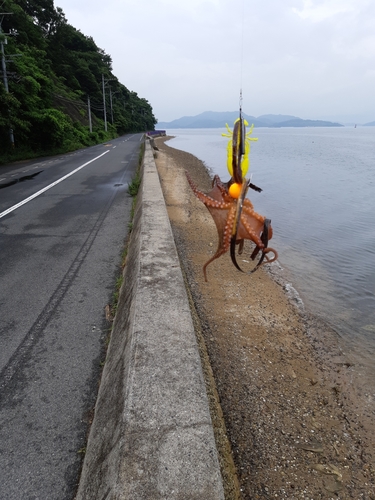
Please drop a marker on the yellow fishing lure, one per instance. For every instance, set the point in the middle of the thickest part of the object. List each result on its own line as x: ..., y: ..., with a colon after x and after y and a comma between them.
x: 233, y: 154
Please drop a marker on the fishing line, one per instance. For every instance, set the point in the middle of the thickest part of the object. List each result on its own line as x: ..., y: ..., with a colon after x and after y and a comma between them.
x: 242, y: 52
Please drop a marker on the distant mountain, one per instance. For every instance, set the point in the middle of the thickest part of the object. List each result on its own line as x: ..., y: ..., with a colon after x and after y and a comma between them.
x: 371, y: 124
x: 208, y: 119
x: 217, y: 119
x: 273, y: 119
x: 298, y: 122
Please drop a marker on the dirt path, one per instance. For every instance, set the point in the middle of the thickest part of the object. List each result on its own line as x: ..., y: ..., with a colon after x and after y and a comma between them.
x: 297, y: 426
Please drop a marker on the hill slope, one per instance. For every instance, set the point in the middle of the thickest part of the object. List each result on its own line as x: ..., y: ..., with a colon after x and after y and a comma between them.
x: 214, y: 119
x: 52, y: 70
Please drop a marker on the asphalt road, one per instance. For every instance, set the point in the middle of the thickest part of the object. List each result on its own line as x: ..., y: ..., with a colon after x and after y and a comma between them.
x: 60, y: 255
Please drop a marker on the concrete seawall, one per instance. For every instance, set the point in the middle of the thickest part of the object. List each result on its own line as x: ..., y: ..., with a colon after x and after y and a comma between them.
x: 152, y: 435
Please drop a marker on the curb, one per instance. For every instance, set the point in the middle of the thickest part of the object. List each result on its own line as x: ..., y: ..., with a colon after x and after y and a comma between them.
x: 152, y: 437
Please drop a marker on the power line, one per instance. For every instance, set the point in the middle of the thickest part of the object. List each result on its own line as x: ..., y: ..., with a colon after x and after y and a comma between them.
x: 98, y: 107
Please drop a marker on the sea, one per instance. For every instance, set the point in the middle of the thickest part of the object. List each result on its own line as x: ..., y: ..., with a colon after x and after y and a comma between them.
x: 319, y: 191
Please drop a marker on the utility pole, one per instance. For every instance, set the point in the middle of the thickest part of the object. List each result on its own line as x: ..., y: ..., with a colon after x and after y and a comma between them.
x: 89, y: 111
x: 104, y: 83
x: 110, y: 100
x: 105, y: 110
x: 111, y: 94
x: 3, y: 41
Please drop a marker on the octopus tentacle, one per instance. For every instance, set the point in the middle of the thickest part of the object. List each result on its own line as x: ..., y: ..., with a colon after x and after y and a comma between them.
x: 223, y: 245
x: 252, y: 234
x: 205, y: 198
x: 223, y: 209
x: 223, y: 189
x: 247, y: 204
x: 218, y: 254
x: 240, y: 246
x: 275, y: 254
x: 228, y: 227
x: 253, y: 213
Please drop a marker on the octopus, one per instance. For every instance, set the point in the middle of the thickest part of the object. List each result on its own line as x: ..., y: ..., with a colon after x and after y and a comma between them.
x: 234, y: 214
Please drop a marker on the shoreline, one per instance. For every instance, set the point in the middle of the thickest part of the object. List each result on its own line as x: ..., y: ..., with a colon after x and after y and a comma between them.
x: 296, y: 422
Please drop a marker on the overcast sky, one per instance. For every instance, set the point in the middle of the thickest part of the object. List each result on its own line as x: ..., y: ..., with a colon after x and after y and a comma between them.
x: 310, y: 58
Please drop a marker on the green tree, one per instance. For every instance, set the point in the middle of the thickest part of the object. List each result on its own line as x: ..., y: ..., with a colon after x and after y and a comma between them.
x: 52, y: 70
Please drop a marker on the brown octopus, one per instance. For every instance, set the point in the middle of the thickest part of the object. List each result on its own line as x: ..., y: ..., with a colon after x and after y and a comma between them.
x: 249, y: 224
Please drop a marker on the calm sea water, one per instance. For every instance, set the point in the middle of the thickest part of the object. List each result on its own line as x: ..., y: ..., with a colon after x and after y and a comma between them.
x: 319, y: 191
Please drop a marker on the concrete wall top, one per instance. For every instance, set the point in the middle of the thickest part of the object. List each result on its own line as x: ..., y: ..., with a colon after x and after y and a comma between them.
x: 152, y: 435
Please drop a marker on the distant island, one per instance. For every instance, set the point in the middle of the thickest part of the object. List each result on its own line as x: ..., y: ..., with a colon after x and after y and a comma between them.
x: 217, y: 119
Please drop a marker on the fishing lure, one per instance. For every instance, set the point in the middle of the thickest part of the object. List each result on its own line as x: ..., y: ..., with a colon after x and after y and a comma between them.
x: 232, y: 143
x: 233, y: 213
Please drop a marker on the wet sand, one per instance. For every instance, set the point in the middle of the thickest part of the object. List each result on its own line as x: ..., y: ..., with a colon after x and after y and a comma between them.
x: 298, y: 423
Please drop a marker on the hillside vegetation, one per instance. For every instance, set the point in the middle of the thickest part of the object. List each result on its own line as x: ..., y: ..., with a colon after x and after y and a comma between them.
x: 53, y: 71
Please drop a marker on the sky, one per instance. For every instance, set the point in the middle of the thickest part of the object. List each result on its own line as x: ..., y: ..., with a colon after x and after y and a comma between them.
x: 314, y: 59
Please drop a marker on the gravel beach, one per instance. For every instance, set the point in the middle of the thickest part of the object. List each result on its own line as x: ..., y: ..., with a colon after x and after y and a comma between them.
x: 290, y: 416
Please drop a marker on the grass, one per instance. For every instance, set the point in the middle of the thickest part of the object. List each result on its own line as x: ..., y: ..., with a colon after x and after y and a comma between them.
x: 133, y: 187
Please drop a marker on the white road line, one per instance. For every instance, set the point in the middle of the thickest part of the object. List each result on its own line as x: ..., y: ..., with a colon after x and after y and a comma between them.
x: 14, y: 207
x: 2, y: 179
